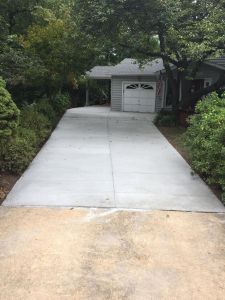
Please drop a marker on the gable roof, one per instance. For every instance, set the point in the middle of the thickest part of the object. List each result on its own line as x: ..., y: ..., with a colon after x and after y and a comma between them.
x: 131, y: 67
x: 100, y: 72
x: 127, y: 67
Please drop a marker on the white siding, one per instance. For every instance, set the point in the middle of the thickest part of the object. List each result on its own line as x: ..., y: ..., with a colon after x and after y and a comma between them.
x: 117, y: 90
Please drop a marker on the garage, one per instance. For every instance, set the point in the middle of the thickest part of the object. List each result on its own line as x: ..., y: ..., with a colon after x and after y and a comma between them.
x: 139, y: 96
x: 133, y: 88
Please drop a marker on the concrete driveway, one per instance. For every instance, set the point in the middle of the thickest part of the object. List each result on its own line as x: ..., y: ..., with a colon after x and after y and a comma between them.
x: 98, y: 158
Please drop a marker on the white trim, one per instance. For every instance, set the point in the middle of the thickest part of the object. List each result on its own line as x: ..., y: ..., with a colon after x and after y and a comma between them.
x: 139, y: 82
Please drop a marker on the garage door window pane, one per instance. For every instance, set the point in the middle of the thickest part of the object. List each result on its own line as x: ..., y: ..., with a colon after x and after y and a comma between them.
x: 132, y: 87
x: 147, y: 86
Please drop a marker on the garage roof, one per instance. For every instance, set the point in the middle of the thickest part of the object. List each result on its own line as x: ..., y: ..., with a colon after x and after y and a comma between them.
x: 127, y: 67
x: 100, y: 72
x: 132, y: 68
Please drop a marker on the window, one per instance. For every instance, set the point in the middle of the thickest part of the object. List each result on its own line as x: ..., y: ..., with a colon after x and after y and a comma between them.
x: 132, y: 86
x: 147, y: 86
x: 207, y: 82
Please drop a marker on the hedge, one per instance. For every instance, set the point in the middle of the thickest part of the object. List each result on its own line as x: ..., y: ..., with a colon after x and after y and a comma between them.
x: 205, y: 139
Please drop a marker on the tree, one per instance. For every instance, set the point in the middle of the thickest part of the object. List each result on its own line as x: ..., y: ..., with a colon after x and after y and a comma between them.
x: 183, y: 33
x: 18, y: 69
x: 9, y: 113
x: 55, y: 40
x: 17, y: 15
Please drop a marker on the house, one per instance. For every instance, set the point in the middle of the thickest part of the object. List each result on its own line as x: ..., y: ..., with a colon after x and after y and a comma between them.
x: 146, y: 89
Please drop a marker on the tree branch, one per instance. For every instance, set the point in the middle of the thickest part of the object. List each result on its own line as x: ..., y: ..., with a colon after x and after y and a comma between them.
x: 152, y: 54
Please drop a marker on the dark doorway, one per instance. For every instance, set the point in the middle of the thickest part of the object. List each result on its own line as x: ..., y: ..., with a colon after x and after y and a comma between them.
x: 196, y: 85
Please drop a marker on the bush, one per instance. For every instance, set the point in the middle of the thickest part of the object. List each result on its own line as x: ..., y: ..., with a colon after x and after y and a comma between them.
x: 9, y: 113
x: 15, y: 155
x: 61, y: 103
x: 205, y: 139
x: 44, y: 107
x: 29, y: 135
x: 165, y: 118
x: 36, y: 123
x: 30, y: 118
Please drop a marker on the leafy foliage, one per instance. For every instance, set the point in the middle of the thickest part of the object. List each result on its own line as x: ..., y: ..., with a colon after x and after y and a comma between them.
x: 36, y: 122
x: 61, y: 103
x: 9, y: 113
x: 183, y: 33
x: 32, y: 119
x: 165, y: 118
x: 45, y: 107
x: 62, y: 49
x: 16, y: 155
x: 205, y: 139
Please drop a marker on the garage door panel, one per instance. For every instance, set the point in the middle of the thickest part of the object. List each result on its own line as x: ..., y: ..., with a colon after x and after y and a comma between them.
x: 131, y: 101
x: 131, y: 93
x: 147, y: 101
x: 139, y: 97
x: 147, y: 108
x: 147, y: 94
x: 134, y: 108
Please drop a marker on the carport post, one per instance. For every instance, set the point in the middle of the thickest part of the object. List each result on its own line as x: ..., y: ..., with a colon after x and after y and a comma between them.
x: 87, y: 94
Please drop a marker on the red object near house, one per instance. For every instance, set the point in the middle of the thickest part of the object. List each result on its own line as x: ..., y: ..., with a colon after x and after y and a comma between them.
x: 183, y: 117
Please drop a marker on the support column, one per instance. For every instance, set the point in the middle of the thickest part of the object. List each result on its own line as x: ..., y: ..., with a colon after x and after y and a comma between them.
x: 87, y: 94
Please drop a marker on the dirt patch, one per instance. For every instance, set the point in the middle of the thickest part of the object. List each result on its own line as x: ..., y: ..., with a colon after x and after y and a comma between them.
x: 111, y: 254
x: 7, y: 181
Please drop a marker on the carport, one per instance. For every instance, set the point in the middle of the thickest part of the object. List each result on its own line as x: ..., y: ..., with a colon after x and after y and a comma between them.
x: 100, y: 73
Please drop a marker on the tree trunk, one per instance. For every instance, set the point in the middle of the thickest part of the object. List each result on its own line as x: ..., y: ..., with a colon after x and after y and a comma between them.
x: 174, y: 82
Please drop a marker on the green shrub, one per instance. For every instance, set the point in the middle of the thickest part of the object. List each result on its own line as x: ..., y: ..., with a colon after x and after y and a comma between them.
x: 29, y: 135
x: 44, y: 107
x: 205, y: 139
x: 61, y: 103
x: 9, y: 113
x: 15, y: 155
x: 30, y: 118
x: 165, y: 118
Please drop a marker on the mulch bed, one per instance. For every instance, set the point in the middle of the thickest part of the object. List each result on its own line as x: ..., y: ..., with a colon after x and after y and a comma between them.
x: 7, y: 182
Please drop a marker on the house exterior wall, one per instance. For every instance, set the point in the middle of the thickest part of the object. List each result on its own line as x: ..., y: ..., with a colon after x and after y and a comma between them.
x: 208, y: 73
x: 117, y: 90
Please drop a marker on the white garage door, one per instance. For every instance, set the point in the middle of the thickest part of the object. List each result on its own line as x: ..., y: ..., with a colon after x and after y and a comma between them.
x: 139, y: 96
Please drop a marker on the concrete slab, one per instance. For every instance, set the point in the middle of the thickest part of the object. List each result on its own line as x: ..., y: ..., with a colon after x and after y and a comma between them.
x: 100, y: 158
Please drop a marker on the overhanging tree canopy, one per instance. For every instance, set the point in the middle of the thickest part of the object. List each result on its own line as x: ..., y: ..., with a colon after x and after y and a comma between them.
x: 183, y: 33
